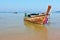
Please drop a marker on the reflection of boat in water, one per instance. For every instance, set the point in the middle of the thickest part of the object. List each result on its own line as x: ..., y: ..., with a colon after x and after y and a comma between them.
x: 36, y: 18
x: 36, y: 27
x: 39, y: 31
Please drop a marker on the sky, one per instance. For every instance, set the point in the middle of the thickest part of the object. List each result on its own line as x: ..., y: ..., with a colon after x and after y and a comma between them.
x: 28, y: 5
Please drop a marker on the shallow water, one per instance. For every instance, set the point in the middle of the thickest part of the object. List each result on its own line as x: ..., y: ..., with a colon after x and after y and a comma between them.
x: 13, y: 27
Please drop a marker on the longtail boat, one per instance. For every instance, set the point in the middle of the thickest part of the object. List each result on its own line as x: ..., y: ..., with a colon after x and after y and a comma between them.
x: 38, y: 18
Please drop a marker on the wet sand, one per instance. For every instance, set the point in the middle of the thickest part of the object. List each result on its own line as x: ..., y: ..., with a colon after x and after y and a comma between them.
x: 13, y: 27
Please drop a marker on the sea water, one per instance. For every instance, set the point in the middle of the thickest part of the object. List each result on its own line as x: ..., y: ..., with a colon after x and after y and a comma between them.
x: 13, y: 27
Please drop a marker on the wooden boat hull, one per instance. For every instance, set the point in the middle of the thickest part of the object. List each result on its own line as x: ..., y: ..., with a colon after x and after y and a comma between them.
x: 38, y: 20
